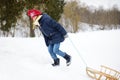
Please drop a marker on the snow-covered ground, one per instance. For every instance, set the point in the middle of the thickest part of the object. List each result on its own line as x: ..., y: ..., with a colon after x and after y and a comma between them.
x: 28, y: 58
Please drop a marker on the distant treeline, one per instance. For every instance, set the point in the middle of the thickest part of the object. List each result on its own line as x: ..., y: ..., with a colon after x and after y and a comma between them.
x: 82, y: 13
x: 100, y: 16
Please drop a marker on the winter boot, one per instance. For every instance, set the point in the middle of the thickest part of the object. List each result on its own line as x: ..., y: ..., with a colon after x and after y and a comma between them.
x: 56, y: 62
x: 68, y: 59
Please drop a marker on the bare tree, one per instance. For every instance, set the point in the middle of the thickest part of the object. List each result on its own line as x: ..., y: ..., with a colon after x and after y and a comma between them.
x: 71, y: 13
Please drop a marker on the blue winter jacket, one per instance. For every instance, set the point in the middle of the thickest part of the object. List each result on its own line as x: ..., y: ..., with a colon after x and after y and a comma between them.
x: 52, y: 31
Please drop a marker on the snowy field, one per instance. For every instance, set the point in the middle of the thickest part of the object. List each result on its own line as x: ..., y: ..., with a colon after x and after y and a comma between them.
x: 28, y: 58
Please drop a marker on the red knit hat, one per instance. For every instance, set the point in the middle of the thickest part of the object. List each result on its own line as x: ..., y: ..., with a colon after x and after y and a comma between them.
x: 33, y: 12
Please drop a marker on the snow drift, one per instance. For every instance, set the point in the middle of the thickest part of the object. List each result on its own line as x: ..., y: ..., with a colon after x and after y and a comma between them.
x: 28, y: 58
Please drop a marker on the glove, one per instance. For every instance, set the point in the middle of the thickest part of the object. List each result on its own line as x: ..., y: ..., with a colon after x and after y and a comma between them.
x: 65, y: 36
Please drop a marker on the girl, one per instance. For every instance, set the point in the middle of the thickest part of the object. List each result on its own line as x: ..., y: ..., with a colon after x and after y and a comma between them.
x: 53, y: 34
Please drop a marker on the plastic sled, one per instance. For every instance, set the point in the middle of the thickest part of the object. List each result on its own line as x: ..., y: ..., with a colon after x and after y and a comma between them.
x: 105, y: 73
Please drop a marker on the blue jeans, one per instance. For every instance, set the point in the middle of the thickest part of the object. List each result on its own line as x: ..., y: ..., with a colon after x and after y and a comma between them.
x: 54, y: 49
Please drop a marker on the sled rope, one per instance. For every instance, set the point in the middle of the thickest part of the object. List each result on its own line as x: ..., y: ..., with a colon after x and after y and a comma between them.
x: 77, y: 51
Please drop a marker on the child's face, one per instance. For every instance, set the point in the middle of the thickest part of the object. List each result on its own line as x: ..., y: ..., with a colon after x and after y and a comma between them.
x: 34, y: 18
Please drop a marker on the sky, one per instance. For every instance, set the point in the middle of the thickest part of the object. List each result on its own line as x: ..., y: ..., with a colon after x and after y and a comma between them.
x: 28, y: 58
x: 105, y: 3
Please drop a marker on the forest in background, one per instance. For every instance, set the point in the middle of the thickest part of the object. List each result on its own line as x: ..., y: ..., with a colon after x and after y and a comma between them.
x: 13, y: 12
x: 75, y: 13
x: 70, y: 15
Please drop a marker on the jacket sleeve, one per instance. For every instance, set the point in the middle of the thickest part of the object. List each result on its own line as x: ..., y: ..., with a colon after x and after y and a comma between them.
x: 51, y: 22
x: 58, y: 27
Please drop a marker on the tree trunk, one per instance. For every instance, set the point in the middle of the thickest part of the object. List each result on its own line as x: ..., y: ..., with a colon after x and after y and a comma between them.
x: 32, y: 33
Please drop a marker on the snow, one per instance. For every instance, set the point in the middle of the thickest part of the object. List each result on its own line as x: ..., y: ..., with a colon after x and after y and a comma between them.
x: 28, y: 58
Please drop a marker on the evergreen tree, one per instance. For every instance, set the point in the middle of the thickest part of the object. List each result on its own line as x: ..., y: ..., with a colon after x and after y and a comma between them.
x: 54, y: 8
x: 11, y: 10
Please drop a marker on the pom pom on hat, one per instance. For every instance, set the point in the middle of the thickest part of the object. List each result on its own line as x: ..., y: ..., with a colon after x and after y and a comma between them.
x: 33, y: 12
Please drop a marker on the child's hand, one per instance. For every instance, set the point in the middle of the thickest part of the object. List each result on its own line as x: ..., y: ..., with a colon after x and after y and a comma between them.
x: 65, y: 36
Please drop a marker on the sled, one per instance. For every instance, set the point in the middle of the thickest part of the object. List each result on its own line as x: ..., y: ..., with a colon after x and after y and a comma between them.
x: 105, y: 73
